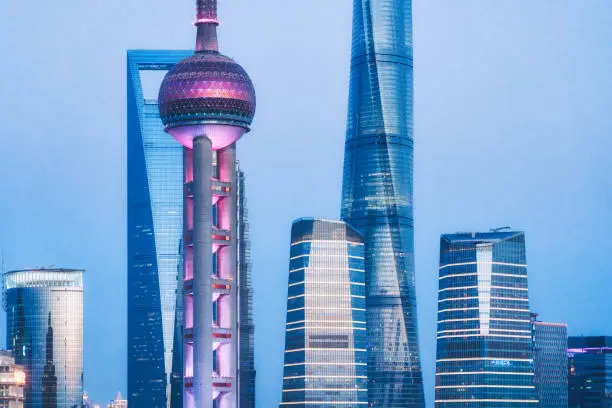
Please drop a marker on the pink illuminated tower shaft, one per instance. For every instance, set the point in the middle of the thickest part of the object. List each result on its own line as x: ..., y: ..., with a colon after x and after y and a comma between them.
x: 207, y: 102
x: 210, y: 349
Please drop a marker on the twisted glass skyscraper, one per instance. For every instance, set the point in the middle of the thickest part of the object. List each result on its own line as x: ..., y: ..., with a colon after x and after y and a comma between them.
x: 155, y: 229
x: 377, y: 194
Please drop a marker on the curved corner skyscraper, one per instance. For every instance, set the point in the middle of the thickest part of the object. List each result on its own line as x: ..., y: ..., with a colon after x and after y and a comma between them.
x: 325, y: 341
x: 377, y: 194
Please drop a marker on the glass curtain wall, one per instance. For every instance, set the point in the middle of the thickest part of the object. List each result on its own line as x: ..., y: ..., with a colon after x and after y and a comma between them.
x: 378, y: 191
x: 155, y: 228
x: 485, y: 348
x: 325, y: 343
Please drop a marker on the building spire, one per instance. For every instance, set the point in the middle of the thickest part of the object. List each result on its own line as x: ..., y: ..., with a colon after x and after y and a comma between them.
x: 206, y: 21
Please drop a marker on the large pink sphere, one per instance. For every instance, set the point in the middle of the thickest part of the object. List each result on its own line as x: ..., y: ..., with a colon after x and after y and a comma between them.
x: 207, y: 94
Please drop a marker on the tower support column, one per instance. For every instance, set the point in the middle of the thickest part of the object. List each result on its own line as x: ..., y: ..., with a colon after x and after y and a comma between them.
x: 202, y: 271
x: 227, y: 269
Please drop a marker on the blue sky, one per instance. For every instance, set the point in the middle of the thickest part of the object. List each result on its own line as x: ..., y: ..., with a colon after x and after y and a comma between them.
x: 513, y: 102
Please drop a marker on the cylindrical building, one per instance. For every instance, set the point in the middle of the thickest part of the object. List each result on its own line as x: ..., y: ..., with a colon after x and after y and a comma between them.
x: 207, y: 102
x: 45, y: 331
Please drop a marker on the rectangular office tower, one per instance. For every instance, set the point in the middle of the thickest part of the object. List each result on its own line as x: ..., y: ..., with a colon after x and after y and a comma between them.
x: 377, y: 194
x: 485, y: 349
x: 44, y: 328
x: 550, y: 358
x: 154, y: 234
x: 325, y: 343
x: 590, y: 372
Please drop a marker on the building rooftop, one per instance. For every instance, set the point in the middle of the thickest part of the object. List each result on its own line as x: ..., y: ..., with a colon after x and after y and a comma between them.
x: 590, y: 343
x: 476, y: 237
x: 43, y: 277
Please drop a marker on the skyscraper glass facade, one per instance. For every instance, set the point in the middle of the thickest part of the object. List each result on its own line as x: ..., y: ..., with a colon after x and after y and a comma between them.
x: 485, y: 348
x: 246, y: 346
x: 590, y: 372
x: 550, y: 357
x: 377, y: 194
x: 45, y: 331
x: 155, y: 229
x: 325, y: 343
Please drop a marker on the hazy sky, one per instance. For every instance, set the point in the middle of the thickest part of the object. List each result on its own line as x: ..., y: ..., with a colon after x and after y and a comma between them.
x: 513, y: 104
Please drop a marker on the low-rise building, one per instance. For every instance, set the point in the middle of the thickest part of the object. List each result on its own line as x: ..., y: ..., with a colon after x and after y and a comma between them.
x: 12, y: 381
x: 119, y: 402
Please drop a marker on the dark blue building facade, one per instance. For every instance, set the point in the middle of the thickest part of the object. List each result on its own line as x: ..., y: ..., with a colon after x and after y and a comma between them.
x: 246, y: 342
x: 590, y: 372
x: 550, y: 357
x: 484, y: 337
x: 325, y: 343
x: 154, y: 233
x: 378, y: 192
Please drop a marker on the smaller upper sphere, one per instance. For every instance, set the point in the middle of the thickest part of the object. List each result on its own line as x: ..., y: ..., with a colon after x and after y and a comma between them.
x: 207, y: 88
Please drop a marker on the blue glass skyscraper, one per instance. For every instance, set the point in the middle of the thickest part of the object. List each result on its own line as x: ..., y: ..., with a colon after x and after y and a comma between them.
x: 377, y: 194
x: 485, y: 348
x: 550, y: 359
x: 155, y: 228
x: 325, y: 343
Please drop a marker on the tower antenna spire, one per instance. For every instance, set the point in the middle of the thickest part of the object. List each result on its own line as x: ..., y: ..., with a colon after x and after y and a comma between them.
x: 206, y: 22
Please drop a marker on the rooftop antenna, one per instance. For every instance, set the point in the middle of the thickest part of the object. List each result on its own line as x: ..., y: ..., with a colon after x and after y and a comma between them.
x: 498, y: 229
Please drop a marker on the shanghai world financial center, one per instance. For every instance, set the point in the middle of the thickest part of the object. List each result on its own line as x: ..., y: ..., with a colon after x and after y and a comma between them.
x: 155, y: 228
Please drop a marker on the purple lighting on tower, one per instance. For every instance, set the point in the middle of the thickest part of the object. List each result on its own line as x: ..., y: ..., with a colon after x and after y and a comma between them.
x: 207, y: 102
x: 574, y: 351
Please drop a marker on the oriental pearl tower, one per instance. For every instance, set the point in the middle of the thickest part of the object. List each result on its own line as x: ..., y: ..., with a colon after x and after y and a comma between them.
x: 207, y: 102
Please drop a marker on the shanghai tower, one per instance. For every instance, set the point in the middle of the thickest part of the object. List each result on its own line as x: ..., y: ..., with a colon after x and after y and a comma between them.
x: 377, y: 195
x: 207, y: 102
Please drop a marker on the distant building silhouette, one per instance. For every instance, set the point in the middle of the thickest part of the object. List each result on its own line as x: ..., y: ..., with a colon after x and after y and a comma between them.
x: 118, y: 402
